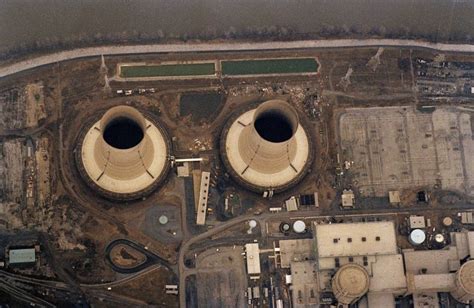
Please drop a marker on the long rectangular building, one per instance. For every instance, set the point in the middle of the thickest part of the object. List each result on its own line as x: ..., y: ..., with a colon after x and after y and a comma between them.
x: 356, y: 239
x: 202, y: 201
x: 22, y: 256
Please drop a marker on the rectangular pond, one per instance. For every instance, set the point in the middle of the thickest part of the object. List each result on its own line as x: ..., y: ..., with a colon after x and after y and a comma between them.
x: 167, y: 70
x: 270, y: 66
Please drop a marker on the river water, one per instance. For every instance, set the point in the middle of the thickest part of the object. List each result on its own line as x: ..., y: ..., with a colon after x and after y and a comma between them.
x: 25, y: 21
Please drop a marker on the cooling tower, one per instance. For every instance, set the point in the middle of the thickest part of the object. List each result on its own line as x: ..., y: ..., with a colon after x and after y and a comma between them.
x: 266, y: 148
x: 350, y: 283
x: 464, y: 290
x: 124, y: 155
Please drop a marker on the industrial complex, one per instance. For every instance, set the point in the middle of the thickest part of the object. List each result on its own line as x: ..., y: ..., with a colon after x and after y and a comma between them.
x: 293, y: 177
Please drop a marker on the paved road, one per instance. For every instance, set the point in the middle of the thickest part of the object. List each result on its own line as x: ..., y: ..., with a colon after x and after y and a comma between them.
x: 151, y: 258
x: 210, y: 47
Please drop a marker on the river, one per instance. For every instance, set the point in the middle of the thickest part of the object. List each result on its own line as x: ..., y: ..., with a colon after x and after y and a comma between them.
x: 26, y: 21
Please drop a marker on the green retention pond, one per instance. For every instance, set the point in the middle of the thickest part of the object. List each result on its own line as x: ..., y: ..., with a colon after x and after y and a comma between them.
x: 270, y: 66
x: 167, y: 70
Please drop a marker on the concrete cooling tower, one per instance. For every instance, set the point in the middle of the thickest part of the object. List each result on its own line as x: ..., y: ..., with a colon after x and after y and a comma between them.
x: 350, y: 283
x: 266, y: 148
x: 124, y: 155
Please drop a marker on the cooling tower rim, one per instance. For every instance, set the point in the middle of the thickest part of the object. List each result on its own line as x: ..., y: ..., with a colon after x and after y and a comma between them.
x: 303, y: 123
x: 126, y: 111
x: 281, y: 108
x: 109, y: 195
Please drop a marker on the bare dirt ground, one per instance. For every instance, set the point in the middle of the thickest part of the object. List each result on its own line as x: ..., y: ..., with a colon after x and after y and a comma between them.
x: 221, y: 278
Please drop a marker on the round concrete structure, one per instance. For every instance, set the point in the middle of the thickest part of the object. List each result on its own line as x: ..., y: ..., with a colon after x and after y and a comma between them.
x: 447, y: 221
x: 123, y: 155
x: 464, y: 290
x: 350, y: 283
x: 266, y: 147
x: 417, y: 237
x: 439, y: 238
x: 299, y: 226
x: 163, y: 220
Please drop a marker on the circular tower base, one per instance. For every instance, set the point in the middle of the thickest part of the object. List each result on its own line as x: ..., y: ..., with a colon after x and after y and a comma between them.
x: 260, y: 176
x: 128, y: 166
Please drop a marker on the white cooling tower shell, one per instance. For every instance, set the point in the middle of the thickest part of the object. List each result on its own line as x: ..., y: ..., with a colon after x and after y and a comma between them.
x: 259, y: 162
x: 124, y: 173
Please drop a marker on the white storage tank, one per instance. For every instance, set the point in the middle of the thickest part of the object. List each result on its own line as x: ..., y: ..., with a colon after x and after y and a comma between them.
x: 417, y: 237
x: 299, y: 226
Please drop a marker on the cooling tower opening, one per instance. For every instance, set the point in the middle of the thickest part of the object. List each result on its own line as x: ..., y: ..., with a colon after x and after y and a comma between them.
x: 274, y: 126
x: 123, y: 133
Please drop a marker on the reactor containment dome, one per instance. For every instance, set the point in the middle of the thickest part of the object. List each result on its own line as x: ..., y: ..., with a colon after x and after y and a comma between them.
x: 464, y: 290
x: 350, y: 283
x: 266, y: 148
x: 124, y: 155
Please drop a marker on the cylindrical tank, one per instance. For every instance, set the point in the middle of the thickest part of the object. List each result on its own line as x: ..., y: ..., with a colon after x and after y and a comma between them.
x: 299, y: 226
x: 417, y: 237
x: 252, y: 223
x: 163, y: 219
x: 285, y: 227
x: 123, y: 154
x: 266, y: 148
x: 447, y: 221
x: 438, y: 241
x: 350, y: 283
x: 464, y: 290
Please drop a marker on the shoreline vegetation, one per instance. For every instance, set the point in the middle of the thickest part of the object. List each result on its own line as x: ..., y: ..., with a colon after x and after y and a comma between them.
x: 265, y: 34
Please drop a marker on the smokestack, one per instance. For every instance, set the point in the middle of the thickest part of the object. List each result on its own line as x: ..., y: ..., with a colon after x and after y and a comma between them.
x: 267, y: 148
x: 124, y: 155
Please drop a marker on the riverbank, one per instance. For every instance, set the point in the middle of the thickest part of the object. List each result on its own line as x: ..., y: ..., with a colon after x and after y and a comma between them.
x: 223, y: 47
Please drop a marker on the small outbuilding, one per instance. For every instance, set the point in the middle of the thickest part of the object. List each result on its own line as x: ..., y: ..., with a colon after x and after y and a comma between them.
x: 22, y: 256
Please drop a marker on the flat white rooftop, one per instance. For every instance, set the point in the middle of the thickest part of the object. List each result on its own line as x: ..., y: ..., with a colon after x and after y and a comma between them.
x: 355, y: 239
x: 21, y: 256
x: 253, y: 258
x: 295, y: 250
x: 433, y: 261
x: 385, y: 300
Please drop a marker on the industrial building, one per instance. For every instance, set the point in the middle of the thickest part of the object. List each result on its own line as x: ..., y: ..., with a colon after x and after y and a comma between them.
x: 252, y: 253
x: 295, y: 251
x: 446, y: 270
x: 202, y: 200
x: 351, y: 262
x: 266, y: 148
x: 362, y: 252
x: 124, y: 154
x: 21, y: 256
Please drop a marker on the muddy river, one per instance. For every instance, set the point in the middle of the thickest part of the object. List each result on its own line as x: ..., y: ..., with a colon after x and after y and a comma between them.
x: 25, y: 21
